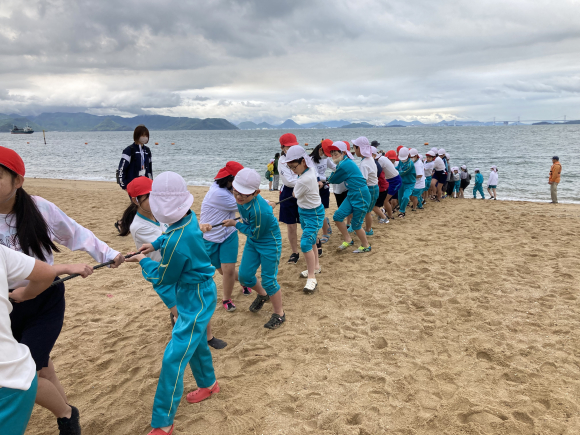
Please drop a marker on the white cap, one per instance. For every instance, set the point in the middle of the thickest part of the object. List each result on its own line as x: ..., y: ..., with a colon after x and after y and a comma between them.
x: 169, y: 198
x: 294, y: 153
x: 342, y: 147
x: 463, y: 167
x: 476, y: 169
x: 404, y: 153
x: 447, y: 155
x: 455, y: 168
x: 374, y: 150
x: 494, y: 167
x: 434, y: 150
x: 432, y: 153
x: 247, y: 181
x: 413, y: 152
x: 441, y: 152
x: 361, y: 142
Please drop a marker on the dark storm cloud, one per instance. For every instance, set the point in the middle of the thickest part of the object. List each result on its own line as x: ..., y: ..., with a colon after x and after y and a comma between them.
x: 270, y: 60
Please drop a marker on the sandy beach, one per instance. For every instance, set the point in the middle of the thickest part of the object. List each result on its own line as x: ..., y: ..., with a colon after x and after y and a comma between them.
x: 464, y: 319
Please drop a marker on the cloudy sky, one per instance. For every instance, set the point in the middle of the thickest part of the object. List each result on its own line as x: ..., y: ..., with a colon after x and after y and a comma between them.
x: 310, y: 60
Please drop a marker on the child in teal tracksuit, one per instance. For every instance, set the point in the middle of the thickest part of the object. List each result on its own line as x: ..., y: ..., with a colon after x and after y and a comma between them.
x: 478, y: 187
x: 356, y: 202
x: 408, y: 175
x: 186, y: 264
x: 263, y: 244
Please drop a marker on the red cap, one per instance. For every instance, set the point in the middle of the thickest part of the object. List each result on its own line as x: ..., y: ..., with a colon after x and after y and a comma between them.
x: 139, y: 186
x: 12, y: 160
x: 326, y: 143
x: 392, y: 155
x: 231, y: 168
x: 399, y: 148
x: 347, y: 144
x: 288, y: 140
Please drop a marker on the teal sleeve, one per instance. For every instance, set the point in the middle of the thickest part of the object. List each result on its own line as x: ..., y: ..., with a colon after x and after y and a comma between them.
x: 157, y: 243
x: 406, y: 169
x: 167, y: 272
x: 338, y: 176
x: 244, y: 228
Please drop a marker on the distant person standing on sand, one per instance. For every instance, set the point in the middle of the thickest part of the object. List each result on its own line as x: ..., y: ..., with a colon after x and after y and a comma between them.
x: 276, y: 174
x: 492, y: 182
x: 478, y: 186
x: 555, y: 172
x: 136, y: 159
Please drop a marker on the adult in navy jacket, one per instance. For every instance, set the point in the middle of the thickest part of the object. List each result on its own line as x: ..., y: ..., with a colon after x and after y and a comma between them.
x: 136, y: 159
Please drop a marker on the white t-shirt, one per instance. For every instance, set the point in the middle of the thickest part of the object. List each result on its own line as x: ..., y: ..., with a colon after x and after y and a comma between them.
x: 420, y: 170
x: 287, y: 176
x: 306, y: 190
x: 439, y: 164
x: 218, y: 205
x: 321, y: 168
x: 144, y: 230
x: 493, y: 179
x: 368, y: 168
x: 388, y: 168
x: 17, y: 368
x: 338, y: 188
x: 429, y: 168
x: 63, y: 230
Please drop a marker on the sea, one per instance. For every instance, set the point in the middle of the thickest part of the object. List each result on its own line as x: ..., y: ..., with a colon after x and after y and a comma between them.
x: 522, y: 153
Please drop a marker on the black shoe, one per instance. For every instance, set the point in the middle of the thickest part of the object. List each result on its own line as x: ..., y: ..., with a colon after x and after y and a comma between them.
x: 259, y: 303
x: 216, y: 343
x: 70, y: 426
x: 172, y: 317
x: 275, y: 321
x: 293, y: 259
x: 319, y: 246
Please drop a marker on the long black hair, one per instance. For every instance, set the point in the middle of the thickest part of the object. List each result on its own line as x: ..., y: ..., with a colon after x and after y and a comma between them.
x: 31, y: 229
x: 223, y: 182
x: 315, y: 154
x: 129, y: 215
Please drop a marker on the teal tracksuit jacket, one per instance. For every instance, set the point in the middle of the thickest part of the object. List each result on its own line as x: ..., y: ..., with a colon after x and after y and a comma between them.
x: 358, y: 198
x: 263, y: 245
x: 409, y: 178
x: 186, y: 264
x: 478, y: 187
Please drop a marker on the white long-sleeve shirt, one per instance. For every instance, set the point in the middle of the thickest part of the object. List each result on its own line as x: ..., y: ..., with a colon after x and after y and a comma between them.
x: 62, y: 230
x: 17, y: 368
x: 493, y: 178
x: 321, y: 168
x: 439, y: 164
x: 144, y: 230
x: 388, y: 168
x: 287, y: 176
x: 368, y: 168
x: 420, y: 170
x: 218, y: 205
x: 306, y: 190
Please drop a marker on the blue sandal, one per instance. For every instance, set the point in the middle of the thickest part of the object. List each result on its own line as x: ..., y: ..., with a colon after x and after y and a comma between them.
x: 324, y: 238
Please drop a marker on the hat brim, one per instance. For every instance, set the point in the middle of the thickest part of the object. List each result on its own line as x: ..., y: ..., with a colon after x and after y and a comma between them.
x: 244, y: 190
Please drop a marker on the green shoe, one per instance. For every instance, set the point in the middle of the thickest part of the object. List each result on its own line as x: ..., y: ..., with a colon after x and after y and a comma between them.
x: 362, y: 250
x: 345, y: 245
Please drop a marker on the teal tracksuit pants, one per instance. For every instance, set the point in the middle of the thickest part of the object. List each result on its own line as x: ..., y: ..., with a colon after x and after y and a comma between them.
x: 16, y: 408
x: 427, y: 184
x: 357, y: 203
x: 311, y: 221
x: 266, y: 254
x: 478, y: 188
x: 195, y: 304
x: 405, y: 192
x: 374, y: 192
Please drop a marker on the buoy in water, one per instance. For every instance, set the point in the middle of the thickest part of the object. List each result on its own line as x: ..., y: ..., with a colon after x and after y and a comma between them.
x: 156, y: 143
x: 172, y: 143
x: 306, y: 144
x: 426, y: 143
x: 27, y: 142
x: 86, y: 143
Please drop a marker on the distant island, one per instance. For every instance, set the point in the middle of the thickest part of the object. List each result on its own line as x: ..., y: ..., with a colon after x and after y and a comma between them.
x: 61, y: 121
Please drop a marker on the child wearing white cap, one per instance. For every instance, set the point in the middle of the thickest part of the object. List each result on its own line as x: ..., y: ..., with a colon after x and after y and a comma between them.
x: 306, y: 191
x: 358, y: 200
x: 408, y: 175
x: 429, y: 167
x: 368, y: 169
x: 263, y: 246
x: 456, y: 180
x: 185, y: 263
x: 478, y: 186
x: 465, y: 180
x: 492, y: 182
x: 417, y: 194
x: 440, y: 174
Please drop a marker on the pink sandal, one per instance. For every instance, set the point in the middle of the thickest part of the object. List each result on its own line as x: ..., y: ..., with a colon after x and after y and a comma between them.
x: 158, y: 431
x: 202, y: 394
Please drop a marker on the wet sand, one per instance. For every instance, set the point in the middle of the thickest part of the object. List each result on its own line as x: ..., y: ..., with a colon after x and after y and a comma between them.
x: 464, y: 319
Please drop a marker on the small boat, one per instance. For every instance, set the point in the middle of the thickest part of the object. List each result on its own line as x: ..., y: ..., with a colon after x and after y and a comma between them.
x: 25, y: 130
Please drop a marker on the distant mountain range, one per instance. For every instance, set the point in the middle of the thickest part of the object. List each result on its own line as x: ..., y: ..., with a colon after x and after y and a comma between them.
x: 289, y: 124
x: 60, y: 121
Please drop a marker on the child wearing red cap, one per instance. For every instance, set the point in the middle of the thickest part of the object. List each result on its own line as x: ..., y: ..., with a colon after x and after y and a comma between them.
x: 222, y: 242
x: 31, y: 224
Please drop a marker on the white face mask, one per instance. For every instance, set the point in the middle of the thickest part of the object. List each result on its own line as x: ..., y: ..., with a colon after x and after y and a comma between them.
x: 143, y: 140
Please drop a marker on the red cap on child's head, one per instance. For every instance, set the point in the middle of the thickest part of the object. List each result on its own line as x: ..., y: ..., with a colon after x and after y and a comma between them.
x: 139, y: 186
x: 231, y: 168
x: 288, y: 140
x: 12, y: 161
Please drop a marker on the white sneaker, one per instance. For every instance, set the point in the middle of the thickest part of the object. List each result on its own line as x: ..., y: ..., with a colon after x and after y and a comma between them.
x: 311, y: 285
x: 384, y: 221
x: 304, y: 273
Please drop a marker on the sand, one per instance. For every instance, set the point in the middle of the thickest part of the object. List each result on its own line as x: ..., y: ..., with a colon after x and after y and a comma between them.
x: 464, y: 319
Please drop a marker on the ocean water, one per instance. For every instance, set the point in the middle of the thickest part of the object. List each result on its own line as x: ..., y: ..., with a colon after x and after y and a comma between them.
x: 521, y: 153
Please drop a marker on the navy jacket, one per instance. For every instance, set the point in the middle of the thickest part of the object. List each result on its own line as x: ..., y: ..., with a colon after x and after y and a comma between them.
x: 130, y: 165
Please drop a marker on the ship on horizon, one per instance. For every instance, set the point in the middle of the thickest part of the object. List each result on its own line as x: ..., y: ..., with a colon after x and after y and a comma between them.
x: 25, y: 130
